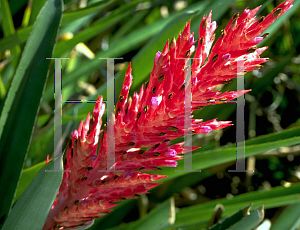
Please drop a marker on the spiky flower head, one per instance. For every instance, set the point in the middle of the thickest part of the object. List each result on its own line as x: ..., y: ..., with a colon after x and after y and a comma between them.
x: 144, y: 124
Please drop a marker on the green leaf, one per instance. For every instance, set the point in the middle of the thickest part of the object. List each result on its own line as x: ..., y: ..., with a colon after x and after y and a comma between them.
x: 36, y: 6
x: 205, y: 159
x: 22, y: 34
x: 97, y: 7
x: 114, y: 218
x: 242, y: 219
x: 2, y: 89
x: 83, y: 36
x: 97, y: 27
x: 274, y: 194
x: 26, y: 178
x: 272, y: 198
x: 261, y: 84
x: 230, y: 220
x: 26, y: 15
x: 251, y: 221
x: 16, y: 5
x: 163, y: 216
x: 9, y: 29
x: 32, y: 209
x: 289, y: 219
x: 273, y: 137
x: 16, y: 39
x: 7, y: 22
x: 116, y: 49
x: 198, y: 216
x: 23, y: 99
x: 126, y: 27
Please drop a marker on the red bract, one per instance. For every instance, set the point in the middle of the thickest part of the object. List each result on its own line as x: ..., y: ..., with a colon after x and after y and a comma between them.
x: 154, y: 116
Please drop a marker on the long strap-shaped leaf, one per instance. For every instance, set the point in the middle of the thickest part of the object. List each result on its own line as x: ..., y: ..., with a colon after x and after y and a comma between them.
x: 22, y: 103
x: 209, y: 158
x: 161, y: 217
x: 32, y: 209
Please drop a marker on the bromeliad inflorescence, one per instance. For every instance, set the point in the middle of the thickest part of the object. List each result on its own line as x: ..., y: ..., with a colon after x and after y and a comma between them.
x: 154, y: 116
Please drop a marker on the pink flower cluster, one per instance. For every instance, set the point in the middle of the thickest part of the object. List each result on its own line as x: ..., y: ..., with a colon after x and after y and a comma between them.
x: 145, y: 123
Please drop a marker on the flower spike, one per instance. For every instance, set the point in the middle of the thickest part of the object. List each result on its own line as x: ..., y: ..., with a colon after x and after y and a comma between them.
x: 144, y: 124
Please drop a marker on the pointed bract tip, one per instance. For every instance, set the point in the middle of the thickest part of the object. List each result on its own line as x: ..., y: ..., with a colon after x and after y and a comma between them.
x: 128, y: 76
x: 87, y: 120
x: 97, y: 106
x: 254, y: 11
x: 165, y: 50
x: 209, y: 15
x: 173, y: 43
x: 186, y: 31
x: 128, y: 71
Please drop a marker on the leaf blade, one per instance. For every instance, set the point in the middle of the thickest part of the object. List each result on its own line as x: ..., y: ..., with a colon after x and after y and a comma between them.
x: 26, y: 178
x: 209, y: 158
x: 25, y: 92
x: 37, y: 200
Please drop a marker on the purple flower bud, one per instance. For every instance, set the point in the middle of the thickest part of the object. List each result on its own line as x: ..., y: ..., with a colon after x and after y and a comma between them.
x: 171, y: 163
x: 157, y: 55
x: 93, y: 157
x: 155, y: 101
x: 134, y: 136
x: 226, y: 57
x: 128, y: 174
x: 171, y: 152
x: 206, y: 129
x: 258, y: 39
